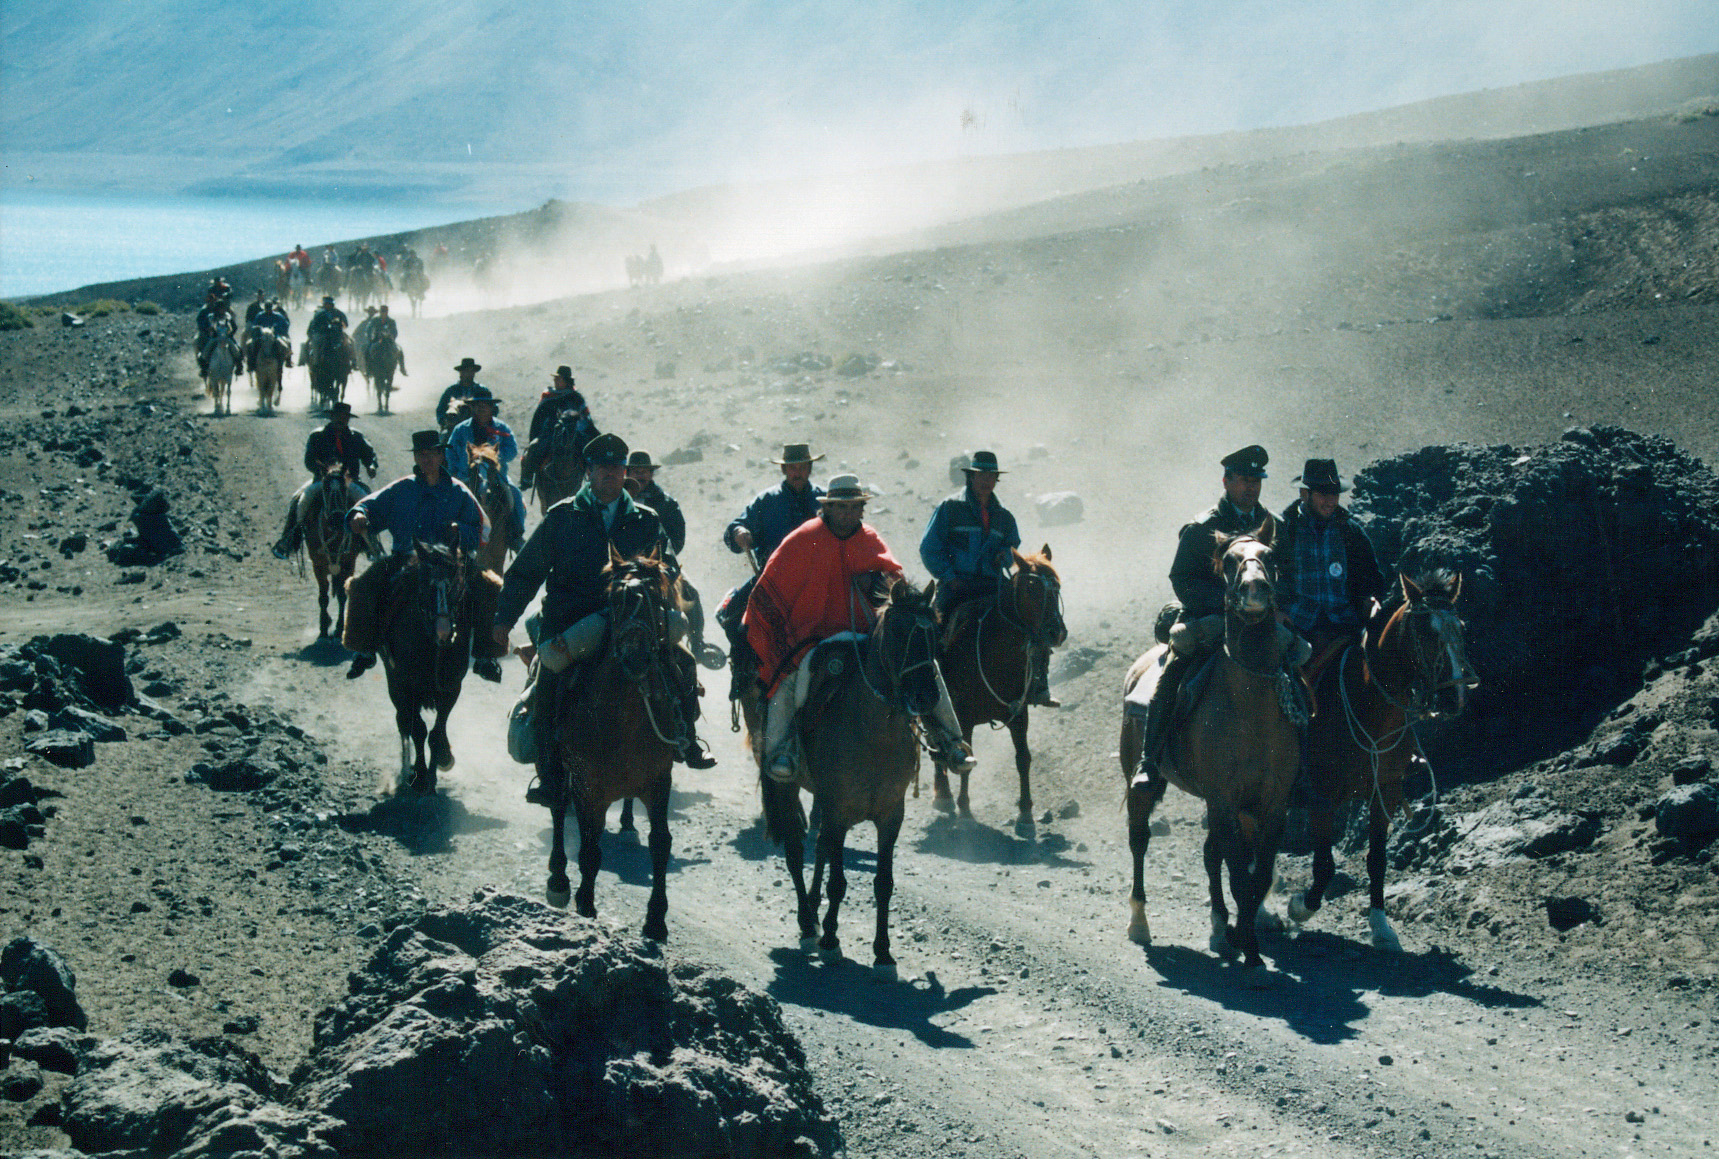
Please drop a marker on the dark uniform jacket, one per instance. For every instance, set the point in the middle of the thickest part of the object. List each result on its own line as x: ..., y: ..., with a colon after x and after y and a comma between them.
x: 1200, y: 589
x: 569, y: 551
x: 330, y: 444
x: 549, y: 408
x: 1366, y: 582
x: 771, y: 515
x: 674, y: 523
x: 323, y: 321
x: 458, y: 391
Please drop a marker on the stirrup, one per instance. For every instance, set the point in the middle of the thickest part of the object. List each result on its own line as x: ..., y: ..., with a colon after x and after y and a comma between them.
x: 693, y: 756
x: 537, y: 794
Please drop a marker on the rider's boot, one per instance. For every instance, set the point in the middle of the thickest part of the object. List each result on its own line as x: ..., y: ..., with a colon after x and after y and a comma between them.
x: 778, y: 754
x: 1038, y: 689
x: 692, y: 753
x: 362, y: 662
x: 943, y: 730
x: 291, y: 534
x: 1158, y: 713
x: 487, y: 668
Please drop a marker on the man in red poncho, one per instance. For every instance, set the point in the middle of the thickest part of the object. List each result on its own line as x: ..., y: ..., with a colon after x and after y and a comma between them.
x: 817, y: 584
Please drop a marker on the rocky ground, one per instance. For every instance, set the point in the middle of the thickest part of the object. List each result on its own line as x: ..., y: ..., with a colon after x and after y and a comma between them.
x: 220, y: 872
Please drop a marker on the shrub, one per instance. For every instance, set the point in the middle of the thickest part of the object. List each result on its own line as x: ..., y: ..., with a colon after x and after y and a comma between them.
x: 101, y: 308
x: 145, y: 308
x: 12, y: 318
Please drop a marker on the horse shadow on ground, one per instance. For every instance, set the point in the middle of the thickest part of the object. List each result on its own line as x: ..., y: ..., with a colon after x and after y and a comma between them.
x: 854, y: 991
x: 977, y: 843
x: 323, y: 652
x: 421, y: 824
x: 626, y: 855
x: 1316, y: 986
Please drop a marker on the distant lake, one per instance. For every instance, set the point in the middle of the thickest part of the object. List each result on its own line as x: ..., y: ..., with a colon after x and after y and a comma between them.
x: 52, y: 241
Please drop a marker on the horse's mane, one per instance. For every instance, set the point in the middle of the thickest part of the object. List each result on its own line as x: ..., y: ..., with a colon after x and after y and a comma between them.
x: 1039, y: 562
x: 651, y: 565
x: 1439, y: 585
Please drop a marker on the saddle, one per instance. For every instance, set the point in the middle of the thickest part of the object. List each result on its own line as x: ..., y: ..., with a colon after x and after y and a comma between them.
x: 964, y: 619
x: 832, y: 664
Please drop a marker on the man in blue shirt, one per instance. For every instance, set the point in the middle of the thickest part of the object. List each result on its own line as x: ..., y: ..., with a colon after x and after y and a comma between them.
x: 766, y: 522
x: 467, y: 387
x: 484, y: 429
x: 1327, y: 570
x: 415, y: 507
x: 967, y: 547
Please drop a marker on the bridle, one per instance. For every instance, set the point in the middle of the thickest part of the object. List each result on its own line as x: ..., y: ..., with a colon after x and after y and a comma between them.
x: 1427, y: 661
x: 1047, y: 623
x: 638, y: 615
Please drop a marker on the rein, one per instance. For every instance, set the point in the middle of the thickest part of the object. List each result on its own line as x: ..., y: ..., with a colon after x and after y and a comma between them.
x: 1030, y: 636
x: 638, y: 607
x: 1376, y: 747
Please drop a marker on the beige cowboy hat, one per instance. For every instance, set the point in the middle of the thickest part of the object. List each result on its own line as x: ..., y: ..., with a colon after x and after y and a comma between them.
x: 845, y: 489
x: 796, y: 453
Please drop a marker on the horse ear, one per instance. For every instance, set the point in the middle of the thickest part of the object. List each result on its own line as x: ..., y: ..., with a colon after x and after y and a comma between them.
x: 930, y: 592
x: 1267, y: 531
x: 1020, y: 560
x: 1411, y: 590
x: 615, y: 559
x: 1045, y: 551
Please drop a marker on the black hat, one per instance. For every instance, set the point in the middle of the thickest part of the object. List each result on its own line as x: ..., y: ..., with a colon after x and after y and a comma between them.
x: 466, y: 363
x: 478, y: 396
x: 426, y: 441
x: 564, y: 372
x: 328, y: 299
x: 1247, y: 461
x: 340, y: 408
x: 606, y: 450
x: 983, y: 461
x: 641, y: 459
x: 796, y: 453
x: 1321, y: 475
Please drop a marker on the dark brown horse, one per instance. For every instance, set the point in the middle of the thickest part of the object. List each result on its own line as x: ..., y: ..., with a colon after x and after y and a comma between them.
x: 562, y: 470
x: 616, y: 736
x: 490, y: 486
x: 381, y: 362
x: 986, y: 661
x: 860, y: 755
x: 1411, y: 664
x: 425, y: 651
x: 1237, y: 750
x: 332, y: 548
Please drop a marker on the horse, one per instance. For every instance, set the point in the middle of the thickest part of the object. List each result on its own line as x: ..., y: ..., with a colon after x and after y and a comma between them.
x: 283, y: 278
x: 361, y: 286
x: 268, y: 352
x: 381, y: 360
x: 635, y: 271
x: 860, y: 754
x: 425, y: 651
x: 223, y: 362
x: 1237, y: 750
x: 333, y: 551
x: 416, y: 283
x: 987, y: 663
x: 489, y: 484
x: 652, y: 266
x: 298, y: 285
x: 329, y: 278
x: 609, y: 736
x: 1411, y: 664
x: 562, y: 470
x: 331, y: 359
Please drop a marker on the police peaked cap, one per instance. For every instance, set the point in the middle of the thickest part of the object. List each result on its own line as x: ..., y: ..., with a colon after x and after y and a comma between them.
x: 606, y: 450
x: 1247, y: 461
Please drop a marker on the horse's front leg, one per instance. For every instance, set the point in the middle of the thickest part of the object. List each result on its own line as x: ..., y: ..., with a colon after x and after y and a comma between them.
x: 1141, y: 803
x: 324, y: 622
x: 1217, y: 841
x: 590, y: 821
x: 558, y: 890
x: 831, y: 842
x: 941, y: 798
x: 344, y: 575
x: 657, y: 808
x: 1378, y: 833
x: 1023, y: 767
x: 626, y: 823
x: 882, y: 889
x: 963, y: 805
x: 1242, y: 857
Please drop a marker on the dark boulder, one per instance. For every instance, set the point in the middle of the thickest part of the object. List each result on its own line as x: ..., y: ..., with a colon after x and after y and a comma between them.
x: 99, y: 663
x: 1566, y: 913
x: 1690, y: 812
x: 69, y: 750
x: 98, y: 728
x: 21, y: 1081
x: 28, y: 965
x: 55, y: 1048
x: 21, y: 1010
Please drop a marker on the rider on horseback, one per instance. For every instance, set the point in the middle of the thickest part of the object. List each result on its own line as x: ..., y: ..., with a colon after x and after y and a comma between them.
x: 254, y: 308
x: 568, y: 552
x: 328, y: 318
x: 967, y: 546
x: 642, y: 486
x: 820, y: 582
x: 413, y: 508
x: 467, y: 387
x: 484, y: 429
x: 1200, y: 592
x: 271, y: 317
x: 361, y: 332
x: 558, y: 399
x: 382, y: 326
x: 765, y: 523
x: 300, y: 257
x: 215, y: 317
x: 331, y: 445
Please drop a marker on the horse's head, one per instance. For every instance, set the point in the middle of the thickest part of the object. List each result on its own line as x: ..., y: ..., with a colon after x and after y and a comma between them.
x: 1245, y: 565
x: 334, y: 498
x: 485, y: 461
x: 1433, y: 638
x: 906, y: 641
x: 642, y: 601
x: 1037, y: 591
x: 441, y: 587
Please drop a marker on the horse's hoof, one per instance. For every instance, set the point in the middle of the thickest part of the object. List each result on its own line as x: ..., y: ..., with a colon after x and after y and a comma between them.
x: 1298, y: 911
x: 1140, y: 933
x: 1026, y: 827
x: 965, y: 821
x: 1253, y: 961
x: 830, y: 951
x: 1384, y: 937
x: 885, y: 971
x: 445, y: 761
x: 558, y: 897
x: 657, y: 931
x: 808, y: 945
x: 1268, y: 922
x: 1219, y: 944
x: 943, y: 804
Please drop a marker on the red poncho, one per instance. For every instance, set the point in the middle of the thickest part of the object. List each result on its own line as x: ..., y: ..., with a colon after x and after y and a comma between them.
x: 806, y: 593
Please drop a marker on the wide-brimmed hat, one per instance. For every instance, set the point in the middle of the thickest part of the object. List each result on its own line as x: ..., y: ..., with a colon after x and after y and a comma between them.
x: 1247, y: 461
x: 427, y: 441
x: 483, y: 396
x: 844, y: 489
x: 1321, y: 475
x: 641, y: 459
x: 606, y: 450
x: 796, y: 453
x: 466, y: 363
x: 327, y: 299
x: 340, y: 408
x: 564, y: 372
x: 983, y: 461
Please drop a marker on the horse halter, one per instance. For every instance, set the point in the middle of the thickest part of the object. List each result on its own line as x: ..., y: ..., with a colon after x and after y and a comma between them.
x: 1243, y: 568
x: 440, y: 570
x: 922, y: 629
x: 1436, y: 651
x: 637, y: 615
x: 1049, y: 621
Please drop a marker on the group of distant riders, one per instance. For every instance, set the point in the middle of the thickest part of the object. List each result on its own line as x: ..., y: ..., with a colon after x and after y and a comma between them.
x: 818, y: 569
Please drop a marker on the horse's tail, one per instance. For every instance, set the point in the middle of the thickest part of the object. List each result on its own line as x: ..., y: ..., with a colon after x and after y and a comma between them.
x: 784, y: 816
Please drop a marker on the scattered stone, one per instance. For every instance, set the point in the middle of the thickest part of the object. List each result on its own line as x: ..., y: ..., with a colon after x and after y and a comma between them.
x: 69, y: 750
x: 683, y: 455
x: 183, y: 978
x: 98, y: 728
x: 1691, y: 770
x: 1566, y: 913
x: 21, y: 1010
x: 1059, y: 508
x: 54, y: 1048
x: 100, y: 663
x: 35, y: 720
x: 1690, y: 812
x: 1069, y: 811
x: 1038, y: 451
x: 21, y: 1081
x: 27, y: 966
x: 855, y: 365
x: 243, y: 1024
x: 665, y: 369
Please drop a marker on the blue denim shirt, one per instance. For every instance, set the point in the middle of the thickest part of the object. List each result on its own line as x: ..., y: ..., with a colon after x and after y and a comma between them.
x: 410, y: 509
x: 956, y: 545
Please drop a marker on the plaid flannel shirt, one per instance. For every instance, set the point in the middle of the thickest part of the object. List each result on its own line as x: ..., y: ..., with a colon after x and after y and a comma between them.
x: 1321, y: 594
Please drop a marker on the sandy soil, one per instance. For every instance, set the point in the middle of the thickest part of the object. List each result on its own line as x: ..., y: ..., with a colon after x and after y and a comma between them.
x: 1026, y: 1024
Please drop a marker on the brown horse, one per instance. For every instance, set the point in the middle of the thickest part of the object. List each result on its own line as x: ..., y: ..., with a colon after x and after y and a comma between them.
x: 483, y: 463
x: 610, y: 740
x: 332, y: 548
x: 1411, y: 664
x: 860, y: 755
x: 268, y: 352
x: 987, y: 663
x: 562, y: 470
x: 1237, y: 750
